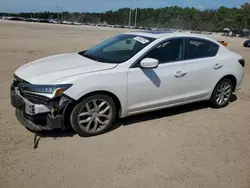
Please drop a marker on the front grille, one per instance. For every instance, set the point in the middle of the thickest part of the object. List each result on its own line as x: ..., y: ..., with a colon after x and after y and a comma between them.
x: 36, y: 99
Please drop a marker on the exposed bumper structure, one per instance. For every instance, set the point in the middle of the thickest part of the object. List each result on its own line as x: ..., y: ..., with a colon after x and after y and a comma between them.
x: 39, y: 117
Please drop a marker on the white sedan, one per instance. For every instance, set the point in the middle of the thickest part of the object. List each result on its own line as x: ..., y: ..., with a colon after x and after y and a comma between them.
x: 128, y: 74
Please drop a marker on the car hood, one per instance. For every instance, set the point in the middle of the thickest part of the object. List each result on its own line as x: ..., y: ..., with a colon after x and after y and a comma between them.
x: 52, y: 68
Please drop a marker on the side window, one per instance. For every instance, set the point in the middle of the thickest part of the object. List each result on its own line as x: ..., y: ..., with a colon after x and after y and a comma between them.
x: 168, y: 51
x: 197, y: 48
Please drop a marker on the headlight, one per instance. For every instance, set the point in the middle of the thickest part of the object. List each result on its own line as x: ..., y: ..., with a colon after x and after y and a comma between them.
x: 54, y: 90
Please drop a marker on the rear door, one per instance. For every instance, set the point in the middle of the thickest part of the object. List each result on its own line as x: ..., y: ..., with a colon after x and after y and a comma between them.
x: 201, y: 67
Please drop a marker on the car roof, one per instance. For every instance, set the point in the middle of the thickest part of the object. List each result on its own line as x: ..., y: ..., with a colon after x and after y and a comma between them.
x: 170, y: 34
x: 152, y: 34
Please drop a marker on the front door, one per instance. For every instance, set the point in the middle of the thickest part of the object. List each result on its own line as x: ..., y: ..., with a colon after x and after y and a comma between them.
x: 153, y: 88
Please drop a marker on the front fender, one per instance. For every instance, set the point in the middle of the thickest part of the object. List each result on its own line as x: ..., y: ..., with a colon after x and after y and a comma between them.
x: 102, y: 81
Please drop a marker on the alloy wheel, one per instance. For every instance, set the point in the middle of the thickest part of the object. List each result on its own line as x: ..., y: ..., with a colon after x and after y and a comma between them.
x: 95, y: 115
x: 223, y: 93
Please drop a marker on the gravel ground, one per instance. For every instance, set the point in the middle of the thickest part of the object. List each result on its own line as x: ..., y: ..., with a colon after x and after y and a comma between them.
x: 189, y: 146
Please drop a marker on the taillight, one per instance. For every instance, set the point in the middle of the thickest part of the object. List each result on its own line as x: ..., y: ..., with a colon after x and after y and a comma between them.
x: 242, y: 62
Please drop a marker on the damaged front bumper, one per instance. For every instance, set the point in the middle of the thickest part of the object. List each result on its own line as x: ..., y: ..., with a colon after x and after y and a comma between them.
x: 38, y: 114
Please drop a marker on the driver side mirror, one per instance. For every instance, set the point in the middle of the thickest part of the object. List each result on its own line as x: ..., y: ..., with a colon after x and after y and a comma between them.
x: 149, y: 63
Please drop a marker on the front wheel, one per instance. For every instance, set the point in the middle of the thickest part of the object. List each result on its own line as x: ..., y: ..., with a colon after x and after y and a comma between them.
x: 222, y: 93
x: 94, y: 115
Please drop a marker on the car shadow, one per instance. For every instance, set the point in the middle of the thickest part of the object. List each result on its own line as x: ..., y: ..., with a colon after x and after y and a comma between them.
x: 57, y: 133
x: 150, y: 73
x: 233, y: 98
x: 168, y: 112
x: 52, y: 134
x: 129, y: 121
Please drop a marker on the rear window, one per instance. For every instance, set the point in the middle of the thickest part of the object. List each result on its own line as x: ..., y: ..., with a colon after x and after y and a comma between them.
x: 198, y: 48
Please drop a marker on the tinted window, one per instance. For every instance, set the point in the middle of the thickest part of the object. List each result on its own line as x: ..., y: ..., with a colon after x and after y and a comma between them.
x: 197, y: 48
x: 121, y: 46
x: 168, y: 51
x: 117, y: 49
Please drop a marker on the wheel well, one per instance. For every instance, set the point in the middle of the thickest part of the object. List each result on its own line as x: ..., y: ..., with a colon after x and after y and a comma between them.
x: 113, y: 96
x: 232, y: 78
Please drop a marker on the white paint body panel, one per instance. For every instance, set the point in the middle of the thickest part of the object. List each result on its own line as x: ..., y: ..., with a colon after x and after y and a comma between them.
x: 138, y: 90
x: 160, y: 87
x: 50, y: 69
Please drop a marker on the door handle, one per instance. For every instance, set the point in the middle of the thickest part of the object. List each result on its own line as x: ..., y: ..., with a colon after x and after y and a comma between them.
x: 217, y: 66
x: 180, y: 74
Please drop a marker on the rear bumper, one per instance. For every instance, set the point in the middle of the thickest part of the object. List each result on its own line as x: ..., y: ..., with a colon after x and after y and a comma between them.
x: 240, y: 81
x: 38, y: 117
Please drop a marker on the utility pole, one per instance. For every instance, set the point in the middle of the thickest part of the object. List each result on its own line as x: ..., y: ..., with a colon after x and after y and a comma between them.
x: 62, y: 12
x: 136, y: 10
x: 33, y: 13
x: 57, y: 8
x: 130, y: 12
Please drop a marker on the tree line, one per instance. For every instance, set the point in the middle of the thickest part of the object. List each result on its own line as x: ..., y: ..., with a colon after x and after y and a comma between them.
x: 169, y: 17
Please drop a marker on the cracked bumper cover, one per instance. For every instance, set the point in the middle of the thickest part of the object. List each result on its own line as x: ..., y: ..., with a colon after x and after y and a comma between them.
x: 39, y: 117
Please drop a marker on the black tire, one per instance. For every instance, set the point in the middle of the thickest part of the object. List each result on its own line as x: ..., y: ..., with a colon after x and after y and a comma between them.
x: 80, y: 130
x: 213, y: 102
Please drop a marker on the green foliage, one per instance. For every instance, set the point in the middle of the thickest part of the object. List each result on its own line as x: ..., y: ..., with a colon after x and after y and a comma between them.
x: 168, y: 17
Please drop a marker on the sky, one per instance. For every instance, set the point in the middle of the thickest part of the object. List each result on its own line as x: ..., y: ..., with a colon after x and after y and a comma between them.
x: 105, y: 5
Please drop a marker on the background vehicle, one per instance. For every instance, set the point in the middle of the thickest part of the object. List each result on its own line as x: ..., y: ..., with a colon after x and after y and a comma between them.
x: 128, y: 74
x: 246, y: 43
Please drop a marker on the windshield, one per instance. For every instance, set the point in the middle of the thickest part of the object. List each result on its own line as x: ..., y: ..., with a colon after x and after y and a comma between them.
x: 117, y: 49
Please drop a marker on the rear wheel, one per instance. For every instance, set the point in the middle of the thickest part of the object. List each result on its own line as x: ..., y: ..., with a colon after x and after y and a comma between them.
x: 222, y: 93
x: 93, y: 115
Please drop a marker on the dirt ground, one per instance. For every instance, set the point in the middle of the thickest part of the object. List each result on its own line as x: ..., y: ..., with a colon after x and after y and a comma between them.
x: 189, y: 146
